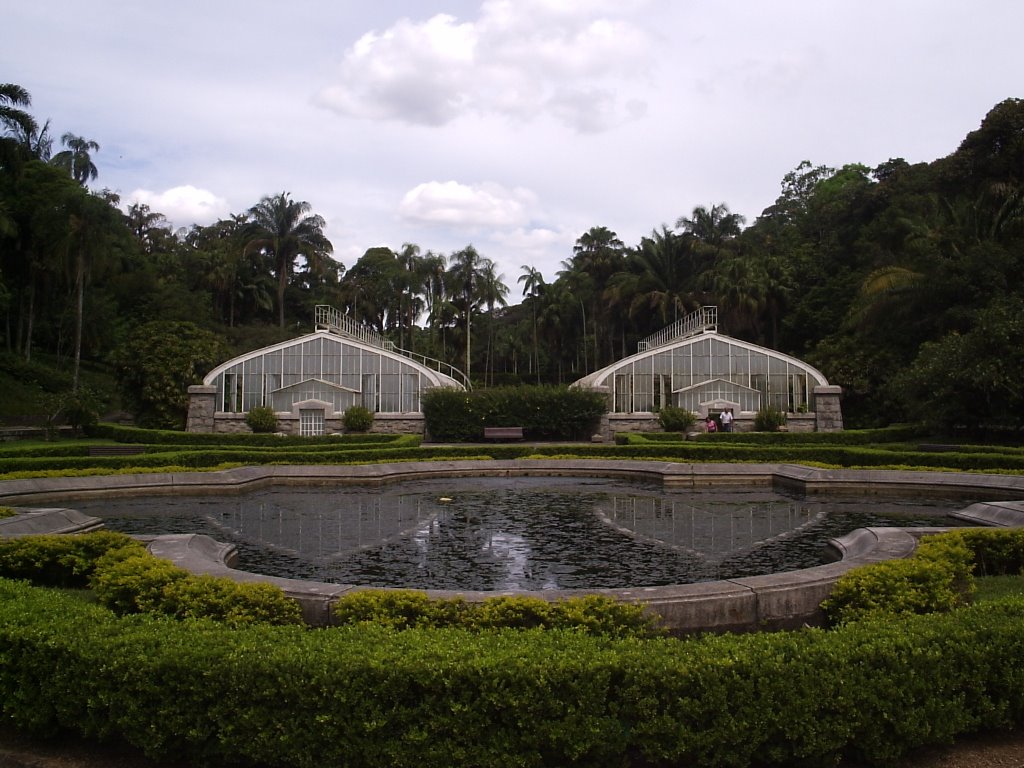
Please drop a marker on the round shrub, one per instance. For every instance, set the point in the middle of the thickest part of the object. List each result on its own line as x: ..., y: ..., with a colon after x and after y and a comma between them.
x: 676, y: 419
x: 357, y: 419
x: 262, y: 419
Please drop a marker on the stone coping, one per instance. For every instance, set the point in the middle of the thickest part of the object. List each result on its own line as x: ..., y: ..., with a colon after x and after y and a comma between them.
x: 775, y: 601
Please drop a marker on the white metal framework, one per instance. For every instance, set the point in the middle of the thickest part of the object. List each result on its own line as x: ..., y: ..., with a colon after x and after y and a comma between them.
x: 698, y: 367
x: 327, y: 368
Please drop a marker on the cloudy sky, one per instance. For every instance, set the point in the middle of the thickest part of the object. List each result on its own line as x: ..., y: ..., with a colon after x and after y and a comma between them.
x: 513, y: 125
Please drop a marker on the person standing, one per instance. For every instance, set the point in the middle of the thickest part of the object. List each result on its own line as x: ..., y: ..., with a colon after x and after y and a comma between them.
x: 727, y: 420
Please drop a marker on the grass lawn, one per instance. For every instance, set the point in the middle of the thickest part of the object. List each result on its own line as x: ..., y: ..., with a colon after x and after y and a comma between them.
x: 996, y: 587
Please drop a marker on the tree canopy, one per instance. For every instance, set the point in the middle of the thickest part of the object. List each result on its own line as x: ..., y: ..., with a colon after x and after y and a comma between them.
x: 902, y: 283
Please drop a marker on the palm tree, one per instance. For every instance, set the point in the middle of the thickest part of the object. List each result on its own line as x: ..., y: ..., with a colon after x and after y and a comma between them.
x: 150, y: 228
x: 533, y: 287
x: 659, y: 280
x: 284, y: 230
x: 712, y: 227
x: 77, y: 158
x: 473, y: 283
x: 597, y: 255
x: 13, y: 118
x: 493, y: 292
x: 20, y: 137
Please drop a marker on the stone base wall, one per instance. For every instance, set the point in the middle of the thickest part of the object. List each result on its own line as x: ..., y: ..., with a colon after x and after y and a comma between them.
x: 829, y: 412
x: 613, y: 423
x: 287, y: 424
x: 202, y: 409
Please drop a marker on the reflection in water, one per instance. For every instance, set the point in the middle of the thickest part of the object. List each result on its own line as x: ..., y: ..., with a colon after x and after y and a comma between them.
x: 516, y: 533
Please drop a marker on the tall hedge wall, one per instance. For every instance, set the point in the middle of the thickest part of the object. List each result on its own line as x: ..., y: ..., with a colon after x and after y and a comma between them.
x: 544, y: 413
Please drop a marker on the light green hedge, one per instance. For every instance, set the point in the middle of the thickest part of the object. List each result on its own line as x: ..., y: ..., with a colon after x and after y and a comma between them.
x: 939, y: 576
x: 125, y: 578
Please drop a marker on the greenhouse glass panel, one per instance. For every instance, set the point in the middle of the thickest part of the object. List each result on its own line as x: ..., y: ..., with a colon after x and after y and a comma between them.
x: 623, y: 393
x: 370, y: 397
x: 701, y: 360
x: 292, y: 362
x: 720, y: 364
x: 311, y: 359
x: 351, y: 368
x: 643, y: 393
x: 681, y: 377
x: 410, y: 393
x: 331, y: 361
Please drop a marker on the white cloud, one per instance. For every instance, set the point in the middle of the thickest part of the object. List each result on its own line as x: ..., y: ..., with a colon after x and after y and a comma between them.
x: 518, y: 60
x: 467, y: 207
x: 183, y: 206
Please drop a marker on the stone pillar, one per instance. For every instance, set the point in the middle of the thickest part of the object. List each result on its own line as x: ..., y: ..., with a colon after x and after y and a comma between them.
x: 202, y: 405
x: 828, y: 411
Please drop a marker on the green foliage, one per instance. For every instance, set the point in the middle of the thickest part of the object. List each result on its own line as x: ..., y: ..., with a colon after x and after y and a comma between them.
x: 80, y: 410
x: 156, y: 365
x: 769, y: 419
x: 426, y: 698
x: 398, y: 609
x: 970, y: 379
x: 60, y: 561
x: 405, y: 609
x: 938, y: 577
x: 7, y: 512
x: 261, y: 419
x: 127, y: 579
x: 136, y: 582
x: 674, y: 419
x: 543, y: 412
x: 995, y: 551
x: 357, y: 419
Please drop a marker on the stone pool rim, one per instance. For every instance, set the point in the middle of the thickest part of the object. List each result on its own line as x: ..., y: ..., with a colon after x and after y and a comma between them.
x: 784, y: 600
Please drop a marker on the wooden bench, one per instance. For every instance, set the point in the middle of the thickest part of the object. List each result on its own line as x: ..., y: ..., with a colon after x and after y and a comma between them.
x: 503, y: 433
x: 116, y: 450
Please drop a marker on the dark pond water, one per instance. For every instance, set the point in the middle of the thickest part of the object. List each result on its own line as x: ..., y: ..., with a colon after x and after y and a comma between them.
x: 518, y: 533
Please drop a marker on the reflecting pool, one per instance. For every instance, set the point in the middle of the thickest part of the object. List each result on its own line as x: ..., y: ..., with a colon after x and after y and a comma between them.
x: 523, y: 533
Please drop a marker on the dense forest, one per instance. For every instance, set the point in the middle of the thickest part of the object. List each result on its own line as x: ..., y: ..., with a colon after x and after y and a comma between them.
x: 903, y: 283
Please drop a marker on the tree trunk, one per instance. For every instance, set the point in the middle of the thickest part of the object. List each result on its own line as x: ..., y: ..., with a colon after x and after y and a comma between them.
x: 79, y: 312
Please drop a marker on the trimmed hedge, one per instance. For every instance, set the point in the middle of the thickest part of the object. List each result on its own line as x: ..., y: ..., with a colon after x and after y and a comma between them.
x: 544, y: 412
x: 123, y: 434
x: 370, y: 696
x: 127, y: 579
x: 939, y: 576
x: 404, y: 609
x: 691, y: 451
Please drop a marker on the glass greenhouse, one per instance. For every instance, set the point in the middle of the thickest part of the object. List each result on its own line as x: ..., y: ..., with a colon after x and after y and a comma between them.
x: 318, y: 376
x: 690, y: 365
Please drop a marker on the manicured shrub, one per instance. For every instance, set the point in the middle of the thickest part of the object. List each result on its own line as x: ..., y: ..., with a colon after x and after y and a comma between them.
x: 60, y: 560
x: 769, y: 419
x: 674, y: 419
x: 936, y: 578
x: 405, y: 609
x: 357, y: 419
x: 398, y: 609
x: 137, y: 582
x: 261, y: 419
x: 544, y: 412
x: 133, y: 582
x: 996, y: 551
x: 200, y: 692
